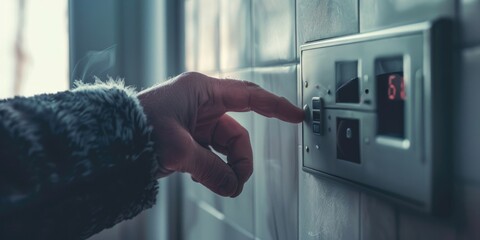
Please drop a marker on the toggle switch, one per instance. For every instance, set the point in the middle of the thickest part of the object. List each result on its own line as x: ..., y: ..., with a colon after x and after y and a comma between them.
x: 316, y: 103
x: 317, y: 115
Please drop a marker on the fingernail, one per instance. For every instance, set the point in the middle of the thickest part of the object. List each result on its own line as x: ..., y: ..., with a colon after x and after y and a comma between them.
x: 228, y: 186
x: 238, y: 191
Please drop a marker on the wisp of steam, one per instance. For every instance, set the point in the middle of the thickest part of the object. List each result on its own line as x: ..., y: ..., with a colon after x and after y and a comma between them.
x: 96, y: 64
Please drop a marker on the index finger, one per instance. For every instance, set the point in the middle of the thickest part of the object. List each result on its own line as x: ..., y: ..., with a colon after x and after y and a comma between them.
x: 244, y: 96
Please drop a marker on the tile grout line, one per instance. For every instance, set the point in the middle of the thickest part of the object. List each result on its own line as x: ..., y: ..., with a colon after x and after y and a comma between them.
x: 360, y: 231
x: 397, y: 224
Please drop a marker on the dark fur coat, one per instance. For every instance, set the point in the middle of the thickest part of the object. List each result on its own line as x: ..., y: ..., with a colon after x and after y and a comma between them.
x: 73, y: 163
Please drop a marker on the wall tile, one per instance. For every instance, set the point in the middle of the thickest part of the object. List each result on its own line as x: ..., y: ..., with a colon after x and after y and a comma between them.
x: 275, y: 161
x: 468, y: 116
x: 191, y: 33
x: 197, y: 192
x: 93, y: 31
x: 207, y: 35
x: 319, y: 19
x: 419, y: 227
x: 240, y: 210
x: 274, y: 31
x: 110, y: 233
x: 205, y: 222
x: 469, y: 212
x: 378, y: 219
x: 235, y: 34
x: 328, y: 210
x: 378, y: 14
x: 469, y: 19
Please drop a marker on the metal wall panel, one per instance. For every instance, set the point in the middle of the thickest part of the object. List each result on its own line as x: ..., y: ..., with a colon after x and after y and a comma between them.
x: 468, y: 116
x: 469, y: 18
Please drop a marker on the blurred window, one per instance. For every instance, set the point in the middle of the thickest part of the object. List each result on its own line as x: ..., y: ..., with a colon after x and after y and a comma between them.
x: 33, y: 47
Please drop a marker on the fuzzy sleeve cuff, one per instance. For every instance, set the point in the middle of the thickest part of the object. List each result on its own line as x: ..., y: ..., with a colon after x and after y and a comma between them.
x: 74, y: 163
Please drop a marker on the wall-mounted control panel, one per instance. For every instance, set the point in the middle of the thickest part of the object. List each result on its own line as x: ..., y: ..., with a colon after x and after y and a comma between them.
x: 378, y: 112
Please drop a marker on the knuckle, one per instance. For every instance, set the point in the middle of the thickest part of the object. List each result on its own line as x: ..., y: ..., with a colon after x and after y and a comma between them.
x: 250, y: 84
x: 188, y: 77
x: 189, y: 74
x: 191, y: 77
x: 244, y: 133
x: 249, y: 173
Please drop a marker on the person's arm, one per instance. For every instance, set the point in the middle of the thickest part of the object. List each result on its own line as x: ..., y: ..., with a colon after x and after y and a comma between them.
x: 73, y: 163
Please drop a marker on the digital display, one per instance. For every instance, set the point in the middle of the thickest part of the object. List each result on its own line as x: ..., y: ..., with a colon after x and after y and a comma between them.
x: 396, y: 87
x: 391, y: 98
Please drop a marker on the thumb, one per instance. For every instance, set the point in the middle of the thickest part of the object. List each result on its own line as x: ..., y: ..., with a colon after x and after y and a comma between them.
x: 209, y: 170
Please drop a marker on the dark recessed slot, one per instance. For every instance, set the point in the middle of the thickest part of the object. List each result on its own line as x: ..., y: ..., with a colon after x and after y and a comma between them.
x: 348, y: 139
x: 347, y: 82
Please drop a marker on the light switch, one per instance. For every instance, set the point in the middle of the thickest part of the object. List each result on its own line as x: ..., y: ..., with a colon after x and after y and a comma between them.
x: 380, y: 112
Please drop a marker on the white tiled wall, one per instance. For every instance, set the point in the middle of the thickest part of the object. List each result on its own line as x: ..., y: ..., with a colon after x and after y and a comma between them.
x: 273, y: 32
x: 276, y: 165
x: 375, y: 14
x: 257, y: 40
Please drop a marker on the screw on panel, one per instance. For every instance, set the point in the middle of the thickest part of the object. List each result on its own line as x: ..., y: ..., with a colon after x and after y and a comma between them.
x: 349, y: 133
x: 305, y: 83
x: 365, y: 78
x: 307, y: 149
x: 317, y: 147
x: 329, y: 92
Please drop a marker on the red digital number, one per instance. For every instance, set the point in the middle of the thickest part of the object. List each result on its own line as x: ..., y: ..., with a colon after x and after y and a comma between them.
x: 395, y: 82
x: 392, y: 90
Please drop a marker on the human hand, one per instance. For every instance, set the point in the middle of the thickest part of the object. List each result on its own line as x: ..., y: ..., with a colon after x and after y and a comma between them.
x: 188, y: 116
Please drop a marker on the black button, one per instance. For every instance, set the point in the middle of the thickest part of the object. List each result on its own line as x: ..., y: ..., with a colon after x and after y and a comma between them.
x: 316, y: 128
x: 316, y: 103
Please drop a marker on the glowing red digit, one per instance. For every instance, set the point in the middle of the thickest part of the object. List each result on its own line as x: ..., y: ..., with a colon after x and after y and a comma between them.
x: 402, y: 92
x: 392, y: 90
